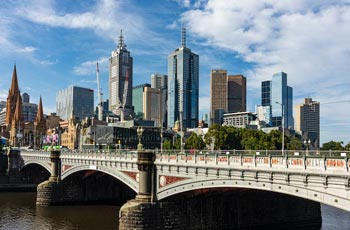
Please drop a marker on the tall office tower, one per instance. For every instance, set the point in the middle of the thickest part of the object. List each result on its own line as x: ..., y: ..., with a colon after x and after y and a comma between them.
x: 120, y: 80
x: 236, y: 93
x: 183, y: 86
x: 160, y: 81
x: 137, y: 95
x: 75, y: 101
x: 227, y: 95
x: 152, y: 106
x: 218, y: 96
x: 277, y: 94
x: 307, y: 121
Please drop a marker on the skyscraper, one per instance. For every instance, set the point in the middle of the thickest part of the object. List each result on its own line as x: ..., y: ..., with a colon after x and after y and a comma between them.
x: 227, y: 95
x: 307, y: 121
x: 218, y: 96
x: 137, y: 94
x: 183, y: 86
x: 152, y: 106
x: 160, y: 81
x: 121, y: 80
x: 276, y: 94
x: 236, y: 93
x: 75, y: 101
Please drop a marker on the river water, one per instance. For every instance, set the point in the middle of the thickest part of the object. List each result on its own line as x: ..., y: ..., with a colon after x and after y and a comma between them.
x: 18, y: 211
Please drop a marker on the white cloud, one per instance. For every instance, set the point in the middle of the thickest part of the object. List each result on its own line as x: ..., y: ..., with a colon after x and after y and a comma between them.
x: 106, y: 17
x: 89, y: 67
x: 306, y: 39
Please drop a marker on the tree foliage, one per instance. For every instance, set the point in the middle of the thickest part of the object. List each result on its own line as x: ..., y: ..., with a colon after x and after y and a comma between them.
x: 333, y: 145
x: 195, y: 142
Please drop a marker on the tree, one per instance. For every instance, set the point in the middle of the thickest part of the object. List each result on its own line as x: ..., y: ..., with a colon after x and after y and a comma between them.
x: 167, y: 144
x: 195, y: 142
x: 333, y: 145
x: 295, y: 144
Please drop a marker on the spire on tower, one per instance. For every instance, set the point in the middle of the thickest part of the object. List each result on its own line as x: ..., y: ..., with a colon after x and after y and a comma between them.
x: 14, y: 84
x: 183, y: 37
x: 121, y: 39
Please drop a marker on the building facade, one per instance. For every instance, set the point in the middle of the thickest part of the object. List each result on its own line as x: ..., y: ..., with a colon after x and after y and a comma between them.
x: 160, y: 81
x: 307, y: 121
x: 137, y: 94
x: 183, y: 86
x: 121, y: 80
x: 277, y: 96
x: 75, y: 101
x: 241, y: 120
x: 152, y: 106
x: 227, y: 95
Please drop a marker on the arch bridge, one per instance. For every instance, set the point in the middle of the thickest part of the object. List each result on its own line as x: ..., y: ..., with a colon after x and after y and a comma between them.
x: 321, y: 177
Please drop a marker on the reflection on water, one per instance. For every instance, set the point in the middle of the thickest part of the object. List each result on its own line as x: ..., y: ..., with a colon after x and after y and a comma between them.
x: 18, y: 211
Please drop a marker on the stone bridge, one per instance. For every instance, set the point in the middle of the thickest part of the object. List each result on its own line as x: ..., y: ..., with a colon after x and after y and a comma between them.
x: 323, y: 178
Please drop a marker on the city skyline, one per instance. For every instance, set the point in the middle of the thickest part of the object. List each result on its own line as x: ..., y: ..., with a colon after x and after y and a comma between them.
x: 57, y: 43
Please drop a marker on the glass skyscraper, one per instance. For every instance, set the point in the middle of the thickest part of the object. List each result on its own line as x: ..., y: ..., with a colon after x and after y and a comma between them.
x: 183, y: 86
x: 120, y: 70
x: 160, y: 81
x: 75, y: 101
x: 274, y: 94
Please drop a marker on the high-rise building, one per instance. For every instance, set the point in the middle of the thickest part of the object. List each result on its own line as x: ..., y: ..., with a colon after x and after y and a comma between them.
x: 236, y: 93
x: 160, y: 81
x: 277, y: 96
x: 75, y: 102
x: 152, y: 106
x: 137, y: 94
x: 227, y: 95
x: 121, y: 80
x: 183, y: 86
x: 307, y: 121
x: 29, y: 110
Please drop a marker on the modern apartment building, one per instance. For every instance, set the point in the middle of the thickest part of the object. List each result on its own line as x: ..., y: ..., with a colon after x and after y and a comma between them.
x: 121, y: 80
x: 75, y: 101
x: 307, y: 121
x: 183, y: 86
x: 227, y: 95
x: 160, y: 81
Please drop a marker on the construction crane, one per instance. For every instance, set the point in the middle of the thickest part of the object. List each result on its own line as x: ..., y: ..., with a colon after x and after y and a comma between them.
x: 126, y: 84
x: 100, y: 95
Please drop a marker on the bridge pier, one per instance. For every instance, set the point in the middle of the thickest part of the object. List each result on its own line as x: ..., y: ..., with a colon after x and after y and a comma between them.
x: 13, y: 165
x: 49, y: 192
x: 145, y: 212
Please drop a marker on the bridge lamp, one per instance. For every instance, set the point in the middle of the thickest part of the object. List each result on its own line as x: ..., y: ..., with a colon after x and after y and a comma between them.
x: 139, y: 134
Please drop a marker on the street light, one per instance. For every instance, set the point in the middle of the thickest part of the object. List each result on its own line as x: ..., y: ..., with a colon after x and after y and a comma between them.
x: 282, y: 106
x: 307, y: 143
x: 139, y: 134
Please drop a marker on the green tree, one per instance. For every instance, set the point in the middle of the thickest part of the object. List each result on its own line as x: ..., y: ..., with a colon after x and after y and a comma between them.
x: 177, y: 143
x: 195, y: 142
x: 167, y: 144
x: 333, y: 145
x: 295, y: 144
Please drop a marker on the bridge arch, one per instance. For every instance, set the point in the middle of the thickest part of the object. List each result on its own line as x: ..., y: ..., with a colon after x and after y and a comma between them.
x: 114, y: 173
x: 297, y: 190
x: 36, y: 162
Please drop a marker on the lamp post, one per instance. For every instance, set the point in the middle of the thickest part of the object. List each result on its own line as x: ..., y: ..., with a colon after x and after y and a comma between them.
x: 307, y: 143
x: 139, y: 134
x: 282, y: 106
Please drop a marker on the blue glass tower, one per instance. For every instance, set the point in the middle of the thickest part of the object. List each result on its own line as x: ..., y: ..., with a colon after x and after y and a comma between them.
x: 276, y: 93
x: 183, y: 86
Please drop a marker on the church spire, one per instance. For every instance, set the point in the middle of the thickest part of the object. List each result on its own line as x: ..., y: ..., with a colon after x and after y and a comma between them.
x: 14, y: 89
x: 40, y: 113
x: 18, y: 112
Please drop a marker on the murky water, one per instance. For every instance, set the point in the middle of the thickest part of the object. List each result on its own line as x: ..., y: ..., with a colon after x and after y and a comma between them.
x: 18, y: 211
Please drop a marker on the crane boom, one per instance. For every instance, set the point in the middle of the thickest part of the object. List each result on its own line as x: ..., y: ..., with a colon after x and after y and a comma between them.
x: 99, y: 94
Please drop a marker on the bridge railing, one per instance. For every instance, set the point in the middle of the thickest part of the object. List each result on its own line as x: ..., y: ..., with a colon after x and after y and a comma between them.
x: 259, y: 159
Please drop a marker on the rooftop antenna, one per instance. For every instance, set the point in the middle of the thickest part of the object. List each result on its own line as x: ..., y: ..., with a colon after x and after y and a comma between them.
x: 121, y: 39
x: 183, y: 37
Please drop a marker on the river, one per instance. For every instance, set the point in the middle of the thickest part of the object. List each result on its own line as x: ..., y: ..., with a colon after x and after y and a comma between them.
x: 18, y: 211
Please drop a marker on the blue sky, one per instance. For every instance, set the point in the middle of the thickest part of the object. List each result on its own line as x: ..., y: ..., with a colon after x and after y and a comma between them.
x: 57, y: 43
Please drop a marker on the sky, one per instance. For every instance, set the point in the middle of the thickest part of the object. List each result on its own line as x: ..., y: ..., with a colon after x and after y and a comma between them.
x: 56, y: 44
